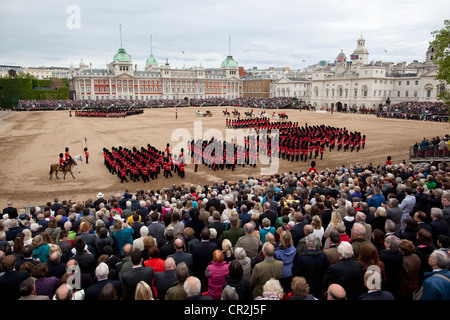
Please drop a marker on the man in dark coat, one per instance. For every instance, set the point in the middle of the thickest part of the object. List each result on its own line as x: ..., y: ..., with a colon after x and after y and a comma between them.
x: 102, y: 272
x: 138, y: 273
x: 10, y: 211
x: 393, y: 263
x: 438, y: 225
x: 202, y: 254
x: 372, y: 281
x: 312, y: 265
x: 297, y: 230
x: 11, y: 279
x: 164, y: 280
x: 346, y: 272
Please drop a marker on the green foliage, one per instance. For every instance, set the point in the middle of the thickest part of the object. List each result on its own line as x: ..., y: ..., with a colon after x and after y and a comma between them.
x: 12, y: 90
x: 441, y: 45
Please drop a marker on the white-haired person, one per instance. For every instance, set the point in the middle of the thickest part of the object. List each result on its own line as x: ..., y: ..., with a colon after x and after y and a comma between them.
x: 272, y: 290
x: 346, y: 272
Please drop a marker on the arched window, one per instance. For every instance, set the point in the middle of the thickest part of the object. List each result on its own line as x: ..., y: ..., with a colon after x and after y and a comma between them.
x: 364, y: 91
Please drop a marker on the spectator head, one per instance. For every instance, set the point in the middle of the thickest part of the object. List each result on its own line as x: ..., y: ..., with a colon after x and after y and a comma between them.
x: 336, y: 292
x: 273, y: 287
x: 169, y: 264
x: 392, y: 242
x: 358, y: 231
x: 181, y: 272
x: 312, y: 242
x: 345, y: 250
x: 218, y: 256
x: 436, y: 213
x: 407, y: 247
x: 235, y: 269
x: 136, y: 257
x: 268, y: 250
x: 205, y: 234
x: 438, y: 260
x: 300, y: 287
x: 27, y: 287
x: 64, y: 292
x: 249, y: 228
x: 102, y: 271
x: 9, y: 262
x: 192, y: 286
x: 334, y: 237
x: 229, y: 293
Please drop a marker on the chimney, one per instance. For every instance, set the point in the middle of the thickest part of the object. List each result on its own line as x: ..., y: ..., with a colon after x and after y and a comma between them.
x: 135, y: 68
x: 90, y: 66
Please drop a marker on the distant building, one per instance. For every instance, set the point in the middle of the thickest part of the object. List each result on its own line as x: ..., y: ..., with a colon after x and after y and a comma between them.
x: 357, y: 83
x: 122, y: 80
x: 256, y: 86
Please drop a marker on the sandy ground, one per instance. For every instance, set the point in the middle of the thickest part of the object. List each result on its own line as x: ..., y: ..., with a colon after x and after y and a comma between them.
x: 31, y: 141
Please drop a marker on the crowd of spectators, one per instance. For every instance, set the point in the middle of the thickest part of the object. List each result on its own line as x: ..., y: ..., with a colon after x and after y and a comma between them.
x: 426, y: 111
x: 434, y: 147
x: 356, y: 232
x: 269, y: 103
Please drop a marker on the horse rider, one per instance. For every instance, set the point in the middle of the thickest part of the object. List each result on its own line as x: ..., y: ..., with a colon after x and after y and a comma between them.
x: 67, y: 157
x: 61, y: 161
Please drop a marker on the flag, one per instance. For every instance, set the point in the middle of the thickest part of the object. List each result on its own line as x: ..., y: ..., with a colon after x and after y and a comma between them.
x: 354, y: 57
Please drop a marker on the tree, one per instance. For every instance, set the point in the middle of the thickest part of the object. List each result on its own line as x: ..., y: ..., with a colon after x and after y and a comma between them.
x: 441, y: 46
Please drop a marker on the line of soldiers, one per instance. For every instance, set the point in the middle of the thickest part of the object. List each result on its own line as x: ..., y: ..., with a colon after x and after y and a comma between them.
x: 146, y: 163
x: 218, y: 155
x: 301, y: 143
x: 108, y: 113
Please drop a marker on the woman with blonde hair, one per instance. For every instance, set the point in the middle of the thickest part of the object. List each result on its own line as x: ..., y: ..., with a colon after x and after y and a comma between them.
x: 27, y: 239
x: 143, y: 291
x: 227, y: 250
x: 318, y: 229
x: 336, y: 218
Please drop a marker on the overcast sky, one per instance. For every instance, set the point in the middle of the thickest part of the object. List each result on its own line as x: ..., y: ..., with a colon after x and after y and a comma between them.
x: 275, y: 33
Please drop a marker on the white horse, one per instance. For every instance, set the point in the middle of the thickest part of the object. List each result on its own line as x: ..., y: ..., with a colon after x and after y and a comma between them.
x: 78, y: 158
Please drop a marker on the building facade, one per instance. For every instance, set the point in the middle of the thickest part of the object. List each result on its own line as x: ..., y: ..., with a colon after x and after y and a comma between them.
x: 122, y: 80
x: 357, y: 83
x: 257, y: 86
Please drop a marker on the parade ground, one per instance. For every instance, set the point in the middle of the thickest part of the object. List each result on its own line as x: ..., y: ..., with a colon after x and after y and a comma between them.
x: 31, y: 141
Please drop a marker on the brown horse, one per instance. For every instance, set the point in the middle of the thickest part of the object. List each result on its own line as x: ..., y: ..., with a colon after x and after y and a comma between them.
x: 54, y: 168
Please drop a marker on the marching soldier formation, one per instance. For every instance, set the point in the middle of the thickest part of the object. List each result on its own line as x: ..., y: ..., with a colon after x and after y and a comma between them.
x: 295, y: 143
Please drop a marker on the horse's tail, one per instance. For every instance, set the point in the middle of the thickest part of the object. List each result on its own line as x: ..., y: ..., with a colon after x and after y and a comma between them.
x: 50, y: 169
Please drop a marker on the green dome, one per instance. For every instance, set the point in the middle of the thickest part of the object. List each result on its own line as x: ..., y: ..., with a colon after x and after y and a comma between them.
x: 229, y: 62
x: 122, y: 55
x: 151, y: 60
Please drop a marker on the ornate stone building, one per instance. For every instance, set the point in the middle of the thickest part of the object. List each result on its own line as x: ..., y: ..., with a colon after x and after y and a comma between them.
x: 122, y: 80
x: 358, y: 83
